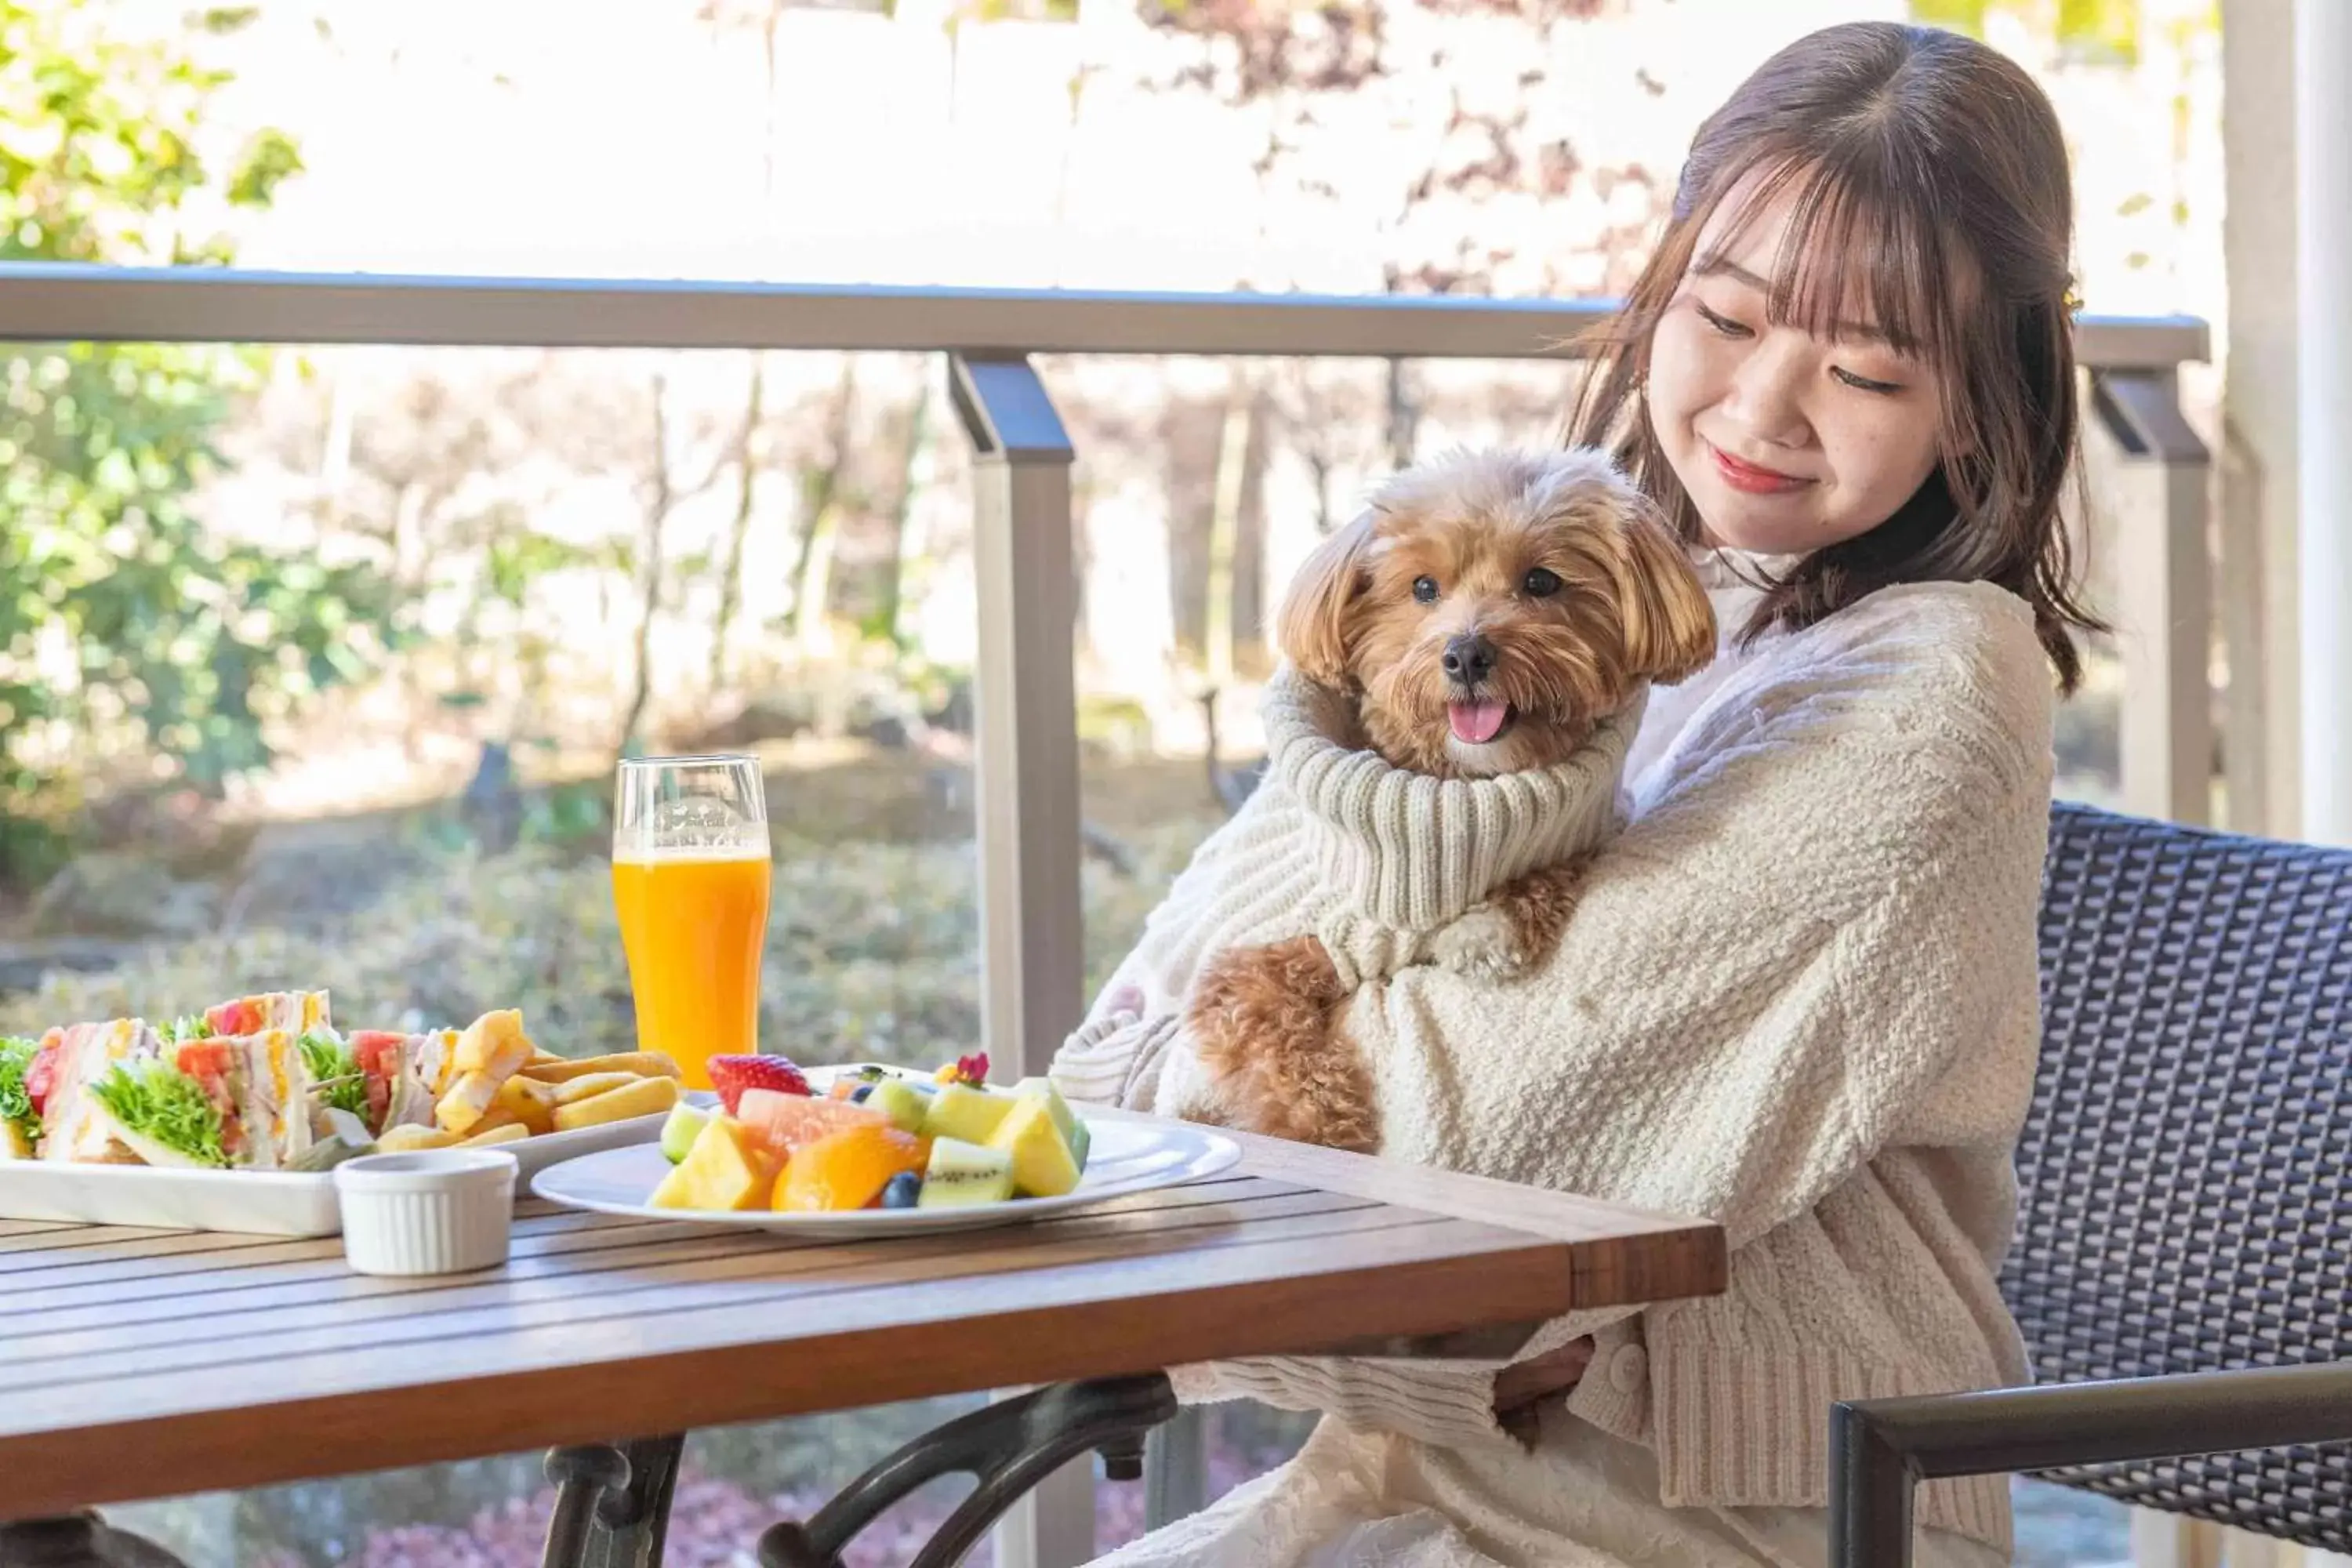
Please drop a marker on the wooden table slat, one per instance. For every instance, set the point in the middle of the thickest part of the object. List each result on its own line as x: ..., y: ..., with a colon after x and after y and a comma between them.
x: 780, y: 1278
x: 352, y: 1303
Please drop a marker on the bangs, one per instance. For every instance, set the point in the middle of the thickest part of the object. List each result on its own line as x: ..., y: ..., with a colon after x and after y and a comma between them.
x: 1857, y: 262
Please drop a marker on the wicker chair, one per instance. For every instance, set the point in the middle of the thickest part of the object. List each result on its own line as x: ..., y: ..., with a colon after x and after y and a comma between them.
x: 2184, y: 1256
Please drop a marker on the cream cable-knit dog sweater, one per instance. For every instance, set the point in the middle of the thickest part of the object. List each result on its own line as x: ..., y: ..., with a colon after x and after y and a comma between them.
x: 1798, y: 997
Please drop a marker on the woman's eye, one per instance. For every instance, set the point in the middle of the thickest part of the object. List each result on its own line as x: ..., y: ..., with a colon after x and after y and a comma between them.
x: 1863, y: 382
x: 1721, y: 323
x: 1541, y: 584
x: 1425, y: 590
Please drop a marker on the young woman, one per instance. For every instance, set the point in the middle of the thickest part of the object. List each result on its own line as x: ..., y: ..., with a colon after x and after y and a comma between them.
x: 1799, y: 993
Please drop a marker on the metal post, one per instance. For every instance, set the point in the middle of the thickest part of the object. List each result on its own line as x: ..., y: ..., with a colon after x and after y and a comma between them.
x: 1176, y: 1468
x: 1031, y: 941
x: 1032, y: 936
x: 2164, y: 611
x: 2322, y: 61
x: 1872, y: 1480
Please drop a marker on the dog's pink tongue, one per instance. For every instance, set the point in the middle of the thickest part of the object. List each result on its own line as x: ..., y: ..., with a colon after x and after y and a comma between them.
x: 1475, y: 724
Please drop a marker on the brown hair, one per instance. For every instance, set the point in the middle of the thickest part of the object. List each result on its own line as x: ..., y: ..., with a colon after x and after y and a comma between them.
x: 1927, y: 177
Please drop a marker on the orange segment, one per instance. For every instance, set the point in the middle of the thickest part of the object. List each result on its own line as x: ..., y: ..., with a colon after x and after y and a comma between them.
x: 847, y: 1169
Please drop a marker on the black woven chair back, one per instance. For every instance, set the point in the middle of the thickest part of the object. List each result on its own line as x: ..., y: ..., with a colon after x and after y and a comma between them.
x: 2186, y: 1173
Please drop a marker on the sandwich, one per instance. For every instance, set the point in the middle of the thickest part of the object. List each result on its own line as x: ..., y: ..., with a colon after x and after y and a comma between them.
x: 67, y: 1068
x: 219, y: 1102
x: 299, y: 1012
x: 20, y: 1124
x: 400, y: 1075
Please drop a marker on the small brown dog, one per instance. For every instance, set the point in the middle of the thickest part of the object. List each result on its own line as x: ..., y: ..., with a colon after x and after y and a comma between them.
x: 1487, y: 613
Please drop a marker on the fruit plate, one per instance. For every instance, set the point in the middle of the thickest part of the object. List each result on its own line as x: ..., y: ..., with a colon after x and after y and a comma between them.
x: 1125, y: 1157
x: 256, y: 1203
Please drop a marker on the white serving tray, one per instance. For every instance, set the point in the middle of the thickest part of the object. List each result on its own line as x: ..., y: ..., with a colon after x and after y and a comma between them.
x: 261, y: 1203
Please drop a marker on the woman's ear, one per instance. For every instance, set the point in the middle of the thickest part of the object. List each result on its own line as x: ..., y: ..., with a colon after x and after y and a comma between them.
x: 1669, y: 625
x: 1312, y: 628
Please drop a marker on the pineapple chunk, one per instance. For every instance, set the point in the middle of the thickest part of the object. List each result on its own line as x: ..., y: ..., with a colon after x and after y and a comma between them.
x: 727, y: 1168
x: 1043, y: 1165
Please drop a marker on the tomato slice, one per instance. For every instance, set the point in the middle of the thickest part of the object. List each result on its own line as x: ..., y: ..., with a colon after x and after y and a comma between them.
x: 242, y: 1016
x: 378, y: 1053
x: 207, y: 1060
x: 41, y: 1074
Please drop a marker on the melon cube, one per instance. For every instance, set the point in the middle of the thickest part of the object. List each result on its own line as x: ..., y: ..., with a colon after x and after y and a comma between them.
x: 1075, y: 1132
x: 967, y: 1114
x: 906, y: 1107
x: 727, y: 1168
x: 1043, y: 1165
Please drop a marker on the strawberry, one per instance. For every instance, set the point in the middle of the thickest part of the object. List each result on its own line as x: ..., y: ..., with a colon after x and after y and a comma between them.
x: 730, y: 1076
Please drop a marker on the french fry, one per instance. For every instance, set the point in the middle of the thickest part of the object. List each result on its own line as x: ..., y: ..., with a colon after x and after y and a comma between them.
x: 405, y: 1140
x: 494, y: 1045
x: 647, y: 1097
x: 513, y: 1132
x: 526, y: 1102
x: 470, y: 1100
x: 640, y: 1064
x: 588, y: 1085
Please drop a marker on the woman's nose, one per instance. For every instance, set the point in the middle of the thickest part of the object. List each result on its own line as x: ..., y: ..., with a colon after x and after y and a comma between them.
x: 1767, y: 397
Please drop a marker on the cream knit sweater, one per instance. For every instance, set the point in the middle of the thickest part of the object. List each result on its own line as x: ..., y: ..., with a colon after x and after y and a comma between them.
x: 1799, y: 997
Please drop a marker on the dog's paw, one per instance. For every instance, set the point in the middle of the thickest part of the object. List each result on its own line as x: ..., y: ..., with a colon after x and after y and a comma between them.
x: 1484, y: 944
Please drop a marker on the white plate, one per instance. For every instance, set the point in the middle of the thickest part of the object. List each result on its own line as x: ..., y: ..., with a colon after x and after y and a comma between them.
x: 261, y: 1203
x: 1125, y: 1157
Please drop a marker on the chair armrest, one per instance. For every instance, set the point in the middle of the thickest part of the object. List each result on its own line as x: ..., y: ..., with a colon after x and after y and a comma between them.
x: 1881, y: 1449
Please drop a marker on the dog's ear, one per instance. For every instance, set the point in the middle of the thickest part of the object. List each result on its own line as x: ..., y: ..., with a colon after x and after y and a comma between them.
x: 1312, y: 628
x: 1669, y: 625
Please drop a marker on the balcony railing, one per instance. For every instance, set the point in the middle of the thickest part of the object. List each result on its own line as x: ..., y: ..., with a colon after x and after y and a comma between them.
x: 1027, y: 764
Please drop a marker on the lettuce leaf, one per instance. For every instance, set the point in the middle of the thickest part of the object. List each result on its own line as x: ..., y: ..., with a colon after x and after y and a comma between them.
x: 165, y: 1105
x: 16, y: 1103
x: 194, y: 1026
x: 335, y: 1075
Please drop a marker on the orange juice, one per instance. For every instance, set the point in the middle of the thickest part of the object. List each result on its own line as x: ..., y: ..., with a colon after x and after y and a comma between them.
x: 693, y: 923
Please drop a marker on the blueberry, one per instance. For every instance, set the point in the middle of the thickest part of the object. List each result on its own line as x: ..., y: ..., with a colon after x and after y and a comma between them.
x: 904, y: 1189
x: 858, y: 1096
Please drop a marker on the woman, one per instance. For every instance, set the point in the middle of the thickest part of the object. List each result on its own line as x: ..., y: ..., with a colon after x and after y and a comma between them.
x: 1799, y: 994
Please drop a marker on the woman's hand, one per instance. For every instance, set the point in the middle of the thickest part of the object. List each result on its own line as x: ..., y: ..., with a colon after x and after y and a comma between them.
x: 1521, y: 1387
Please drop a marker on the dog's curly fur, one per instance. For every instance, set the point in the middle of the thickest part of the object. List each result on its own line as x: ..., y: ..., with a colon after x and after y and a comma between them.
x: 1580, y: 593
x: 1262, y: 1019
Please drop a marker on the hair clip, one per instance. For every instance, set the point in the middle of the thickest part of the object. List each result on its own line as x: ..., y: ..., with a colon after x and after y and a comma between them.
x: 2071, y: 300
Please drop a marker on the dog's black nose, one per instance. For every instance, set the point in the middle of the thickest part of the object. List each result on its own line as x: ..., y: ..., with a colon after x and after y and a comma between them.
x: 1469, y: 658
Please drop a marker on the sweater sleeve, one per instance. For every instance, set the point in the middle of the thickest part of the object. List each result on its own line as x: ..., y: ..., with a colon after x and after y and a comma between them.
x: 1801, y: 952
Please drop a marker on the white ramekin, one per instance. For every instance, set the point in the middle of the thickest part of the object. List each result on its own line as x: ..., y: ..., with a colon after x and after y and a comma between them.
x: 430, y: 1211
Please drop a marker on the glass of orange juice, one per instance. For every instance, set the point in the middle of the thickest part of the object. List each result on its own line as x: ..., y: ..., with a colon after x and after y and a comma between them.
x: 690, y: 871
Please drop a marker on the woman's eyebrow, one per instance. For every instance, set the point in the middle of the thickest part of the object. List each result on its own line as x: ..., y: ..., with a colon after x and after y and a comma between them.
x: 1714, y: 264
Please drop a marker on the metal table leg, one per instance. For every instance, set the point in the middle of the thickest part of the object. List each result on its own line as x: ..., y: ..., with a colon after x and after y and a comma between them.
x: 1007, y: 1447
x: 611, y: 1504
x: 78, y: 1540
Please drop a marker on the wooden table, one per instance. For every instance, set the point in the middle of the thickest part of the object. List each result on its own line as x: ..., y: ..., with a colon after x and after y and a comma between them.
x: 145, y: 1363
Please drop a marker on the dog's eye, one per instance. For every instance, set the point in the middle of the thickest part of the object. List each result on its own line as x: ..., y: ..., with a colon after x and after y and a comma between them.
x: 1425, y: 590
x: 1540, y: 582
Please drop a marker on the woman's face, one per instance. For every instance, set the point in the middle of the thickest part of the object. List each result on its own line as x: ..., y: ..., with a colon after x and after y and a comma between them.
x: 1784, y: 441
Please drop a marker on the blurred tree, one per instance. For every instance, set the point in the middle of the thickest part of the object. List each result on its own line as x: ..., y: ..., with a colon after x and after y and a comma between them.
x: 138, y: 647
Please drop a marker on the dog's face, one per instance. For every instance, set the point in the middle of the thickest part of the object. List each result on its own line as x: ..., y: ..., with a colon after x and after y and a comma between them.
x: 1489, y: 609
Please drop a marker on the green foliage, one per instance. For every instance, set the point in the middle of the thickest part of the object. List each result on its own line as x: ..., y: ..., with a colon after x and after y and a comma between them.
x: 135, y: 641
